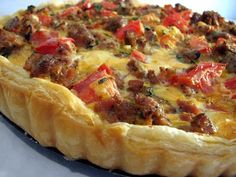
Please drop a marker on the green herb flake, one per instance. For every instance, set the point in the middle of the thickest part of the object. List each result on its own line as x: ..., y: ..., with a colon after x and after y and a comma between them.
x: 101, y: 81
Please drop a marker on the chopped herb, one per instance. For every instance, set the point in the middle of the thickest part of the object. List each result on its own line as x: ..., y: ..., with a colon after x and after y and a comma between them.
x: 135, y: 18
x: 149, y: 91
x: 180, y: 58
x: 101, y: 81
x: 97, y: 6
x: 191, y: 57
x: 147, y: 28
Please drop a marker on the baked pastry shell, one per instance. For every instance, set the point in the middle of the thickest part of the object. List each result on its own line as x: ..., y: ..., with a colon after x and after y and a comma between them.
x: 55, y: 117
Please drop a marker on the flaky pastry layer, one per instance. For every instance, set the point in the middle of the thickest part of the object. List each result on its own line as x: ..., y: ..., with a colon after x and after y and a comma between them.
x: 55, y: 117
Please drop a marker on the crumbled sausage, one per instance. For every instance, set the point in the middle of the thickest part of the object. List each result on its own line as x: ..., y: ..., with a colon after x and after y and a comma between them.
x: 9, y: 41
x: 13, y: 24
x: 61, y: 69
x: 134, y: 69
x: 112, y: 24
x: 151, y: 109
x: 212, y: 18
x: 195, y: 18
x: 187, y: 106
x: 214, y: 35
x: 135, y: 85
x: 152, y: 77
x: 83, y: 37
x: 105, y: 42
x: 202, y: 124
x: 179, y: 7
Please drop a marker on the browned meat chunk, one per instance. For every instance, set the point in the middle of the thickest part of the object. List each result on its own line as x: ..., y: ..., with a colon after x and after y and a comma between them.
x: 118, y: 79
x: 105, y: 42
x: 152, y: 77
x: 134, y: 69
x: 202, y: 124
x: 227, y: 51
x: 135, y: 85
x: 179, y: 7
x: 126, y: 8
x: 230, y: 60
x: 195, y: 18
x: 232, y: 30
x: 9, y: 41
x: 61, y: 69
x: 212, y: 18
x: 13, y: 24
x: 82, y: 36
x: 130, y: 38
x: 214, y: 35
x: 149, y: 108
x: 112, y: 24
x: 155, y: 9
x: 188, y: 56
x: 188, y: 107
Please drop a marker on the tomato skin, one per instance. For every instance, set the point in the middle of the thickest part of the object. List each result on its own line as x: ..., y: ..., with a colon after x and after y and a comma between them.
x: 166, y: 41
x: 220, y: 41
x: 45, y: 20
x: 41, y: 36
x: 169, y: 9
x: 233, y: 97
x: 200, y: 77
x: 200, y: 45
x: 109, y: 5
x: 69, y: 11
x: 106, y: 68
x: 138, y: 56
x: 133, y: 26
x: 85, y: 4
x: 50, y: 46
x: 231, y: 84
x: 90, y: 79
x: 83, y: 89
x: 180, y: 20
x: 87, y: 95
x: 108, y: 13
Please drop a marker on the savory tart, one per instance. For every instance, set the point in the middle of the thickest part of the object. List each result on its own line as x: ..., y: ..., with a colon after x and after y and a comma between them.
x: 142, y: 88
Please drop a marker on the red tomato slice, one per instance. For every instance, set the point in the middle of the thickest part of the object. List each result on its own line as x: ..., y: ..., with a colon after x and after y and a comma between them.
x: 83, y: 90
x: 220, y: 41
x: 69, y: 11
x: 169, y: 9
x: 88, y: 94
x: 166, y: 40
x: 201, y: 77
x: 108, y: 13
x: 233, y: 97
x: 90, y: 79
x: 106, y: 68
x: 109, y: 5
x: 133, y: 26
x: 40, y: 37
x: 180, y: 20
x: 200, y: 44
x: 138, y: 56
x: 51, y: 45
x: 45, y: 20
x: 85, y: 4
x: 231, y: 83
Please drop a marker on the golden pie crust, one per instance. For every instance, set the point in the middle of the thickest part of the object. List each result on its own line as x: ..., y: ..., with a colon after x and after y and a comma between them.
x: 55, y: 117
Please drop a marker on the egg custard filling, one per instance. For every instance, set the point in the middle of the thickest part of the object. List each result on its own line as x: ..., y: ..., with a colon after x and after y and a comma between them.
x: 144, y: 65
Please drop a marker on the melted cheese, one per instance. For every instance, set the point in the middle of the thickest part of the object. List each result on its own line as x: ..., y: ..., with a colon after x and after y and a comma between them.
x: 91, y: 60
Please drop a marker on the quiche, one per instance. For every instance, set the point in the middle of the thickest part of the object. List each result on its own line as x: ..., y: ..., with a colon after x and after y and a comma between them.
x: 141, y: 88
